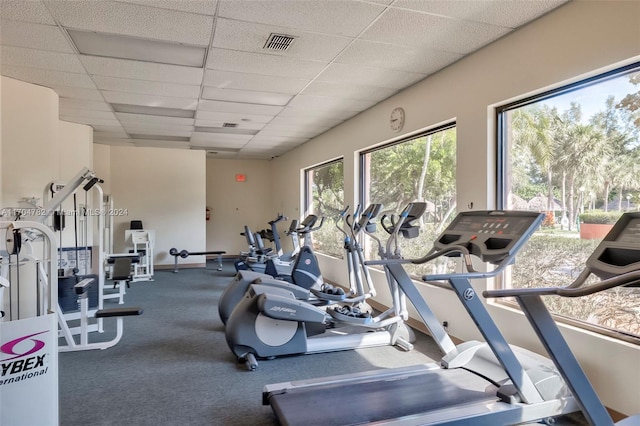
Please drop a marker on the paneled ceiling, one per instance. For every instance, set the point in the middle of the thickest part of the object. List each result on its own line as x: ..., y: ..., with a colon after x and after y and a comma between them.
x: 194, y: 74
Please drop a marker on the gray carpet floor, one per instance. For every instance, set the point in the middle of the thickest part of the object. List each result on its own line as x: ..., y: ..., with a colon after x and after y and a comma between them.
x: 173, y: 366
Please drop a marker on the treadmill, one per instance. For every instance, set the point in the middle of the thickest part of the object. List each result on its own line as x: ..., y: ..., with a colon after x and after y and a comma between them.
x: 616, y: 261
x: 475, y: 383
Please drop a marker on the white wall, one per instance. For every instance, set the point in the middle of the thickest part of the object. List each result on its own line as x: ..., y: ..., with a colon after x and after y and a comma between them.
x: 38, y: 148
x: 236, y: 204
x: 1, y: 204
x: 74, y: 153
x: 102, y: 165
x: 75, y: 149
x: 577, y: 40
x: 30, y: 140
x: 165, y: 188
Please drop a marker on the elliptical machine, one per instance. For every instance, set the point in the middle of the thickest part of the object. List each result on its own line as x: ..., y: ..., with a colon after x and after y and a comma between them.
x: 286, y: 269
x: 306, y: 281
x: 271, y: 322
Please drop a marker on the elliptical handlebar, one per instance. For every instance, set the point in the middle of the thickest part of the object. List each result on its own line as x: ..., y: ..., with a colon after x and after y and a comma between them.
x: 343, y: 218
x: 383, y: 222
x: 312, y: 229
x: 307, y: 224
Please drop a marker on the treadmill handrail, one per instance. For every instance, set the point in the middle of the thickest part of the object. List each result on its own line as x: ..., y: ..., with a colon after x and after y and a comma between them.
x: 472, y: 274
x: 629, y: 278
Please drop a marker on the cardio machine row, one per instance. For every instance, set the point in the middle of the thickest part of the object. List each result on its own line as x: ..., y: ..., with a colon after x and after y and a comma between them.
x: 267, y: 317
x: 480, y: 383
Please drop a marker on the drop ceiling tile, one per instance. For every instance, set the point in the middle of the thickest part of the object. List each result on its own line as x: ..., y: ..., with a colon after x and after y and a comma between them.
x: 232, y: 117
x: 84, y: 104
x: 149, y: 100
x: 157, y: 132
x: 503, y: 13
x: 340, y: 17
x: 126, y: 117
x: 348, y: 91
x: 305, y: 120
x: 48, y: 78
x: 256, y: 82
x: 289, y: 133
x: 133, y: 20
x: 314, y: 126
x: 218, y: 146
x: 144, y: 87
x: 397, y: 57
x: 432, y: 32
x: 202, y: 7
x: 247, y: 62
x: 251, y: 37
x: 247, y: 96
x: 324, y: 102
x: 75, y: 112
x: 369, y: 76
x: 276, y: 140
x: 156, y: 128
x: 89, y: 121
x: 303, y: 114
x: 245, y: 125
x: 383, y: 2
x: 216, y: 154
x: 34, y: 36
x: 32, y: 58
x: 238, y: 107
x: 25, y: 11
x: 78, y: 93
x: 141, y: 70
x: 161, y: 144
x: 261, y: 153
x: 231, y: 140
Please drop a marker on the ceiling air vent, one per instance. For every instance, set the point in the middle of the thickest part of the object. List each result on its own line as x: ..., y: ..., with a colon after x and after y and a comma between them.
x: 279, y: 42
x: 229, y: 124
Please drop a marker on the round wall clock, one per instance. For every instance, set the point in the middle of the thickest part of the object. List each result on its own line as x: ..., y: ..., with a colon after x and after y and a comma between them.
x: 396, y: 119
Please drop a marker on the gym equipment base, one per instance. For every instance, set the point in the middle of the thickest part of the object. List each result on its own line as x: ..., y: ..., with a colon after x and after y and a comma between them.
x: 185, y: 253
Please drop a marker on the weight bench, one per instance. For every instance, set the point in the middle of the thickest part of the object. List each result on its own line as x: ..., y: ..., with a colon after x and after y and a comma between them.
x: 185, y: 253
x: 121, y: 276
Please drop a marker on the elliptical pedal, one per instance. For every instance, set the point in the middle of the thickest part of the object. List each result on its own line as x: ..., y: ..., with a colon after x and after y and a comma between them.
x: 350, y: 314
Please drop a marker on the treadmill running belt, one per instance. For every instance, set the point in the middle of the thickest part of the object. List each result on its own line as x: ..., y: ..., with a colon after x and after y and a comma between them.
x: 364, y: 402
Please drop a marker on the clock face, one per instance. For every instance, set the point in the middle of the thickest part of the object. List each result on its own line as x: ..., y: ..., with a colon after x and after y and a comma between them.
x: 396, y: 120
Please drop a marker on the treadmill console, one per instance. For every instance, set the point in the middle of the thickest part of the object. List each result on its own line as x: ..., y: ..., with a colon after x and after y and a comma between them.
x: 490, y: 235
x: 619, y: 251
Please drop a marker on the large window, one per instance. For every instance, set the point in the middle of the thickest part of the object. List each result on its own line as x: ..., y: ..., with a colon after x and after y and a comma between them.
x: 574, y: 154
x: 324, y: 197
x: 420, y: 168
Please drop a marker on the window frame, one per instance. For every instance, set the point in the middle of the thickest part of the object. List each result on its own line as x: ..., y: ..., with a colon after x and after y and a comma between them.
x: 502, y: 156
x: 364, y: 169
x: 363, y: 163
x: 308, y: 190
